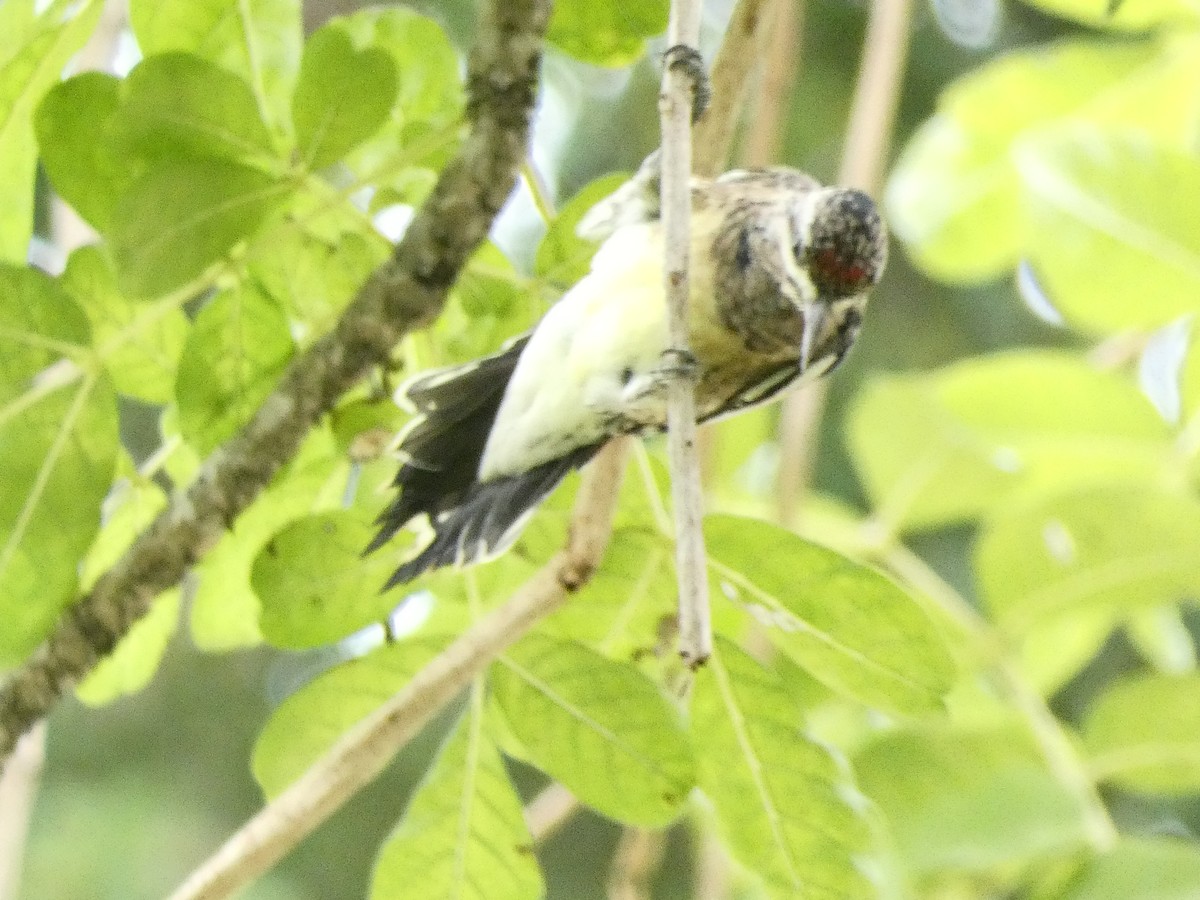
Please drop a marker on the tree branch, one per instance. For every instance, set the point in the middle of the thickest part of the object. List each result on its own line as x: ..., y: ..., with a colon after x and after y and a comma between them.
x: 364, y: 750
x: 405, y: 293
x: 676, y: 105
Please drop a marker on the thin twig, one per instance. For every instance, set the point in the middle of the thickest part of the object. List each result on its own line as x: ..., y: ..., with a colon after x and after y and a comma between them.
x: 364, y: 750
x: 675, y: 106
x: 872, y: 116
x: 741, y: 53
x: 405, y: 293
x: 639, y: 854
x: 549, y: 811
x: 18, y: 788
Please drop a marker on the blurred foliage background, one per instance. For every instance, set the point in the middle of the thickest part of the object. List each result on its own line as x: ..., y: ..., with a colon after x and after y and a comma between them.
x: 1023, y: 463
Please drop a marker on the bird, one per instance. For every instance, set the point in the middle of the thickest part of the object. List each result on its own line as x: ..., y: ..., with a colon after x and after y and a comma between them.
x: 781, y: 269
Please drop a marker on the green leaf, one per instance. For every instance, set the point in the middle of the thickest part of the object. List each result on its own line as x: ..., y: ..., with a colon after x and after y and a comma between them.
x: 225, y: 609
x: 177, y: 104
x: 237, y: 349
x: 129, y: 509
x: 314, y: 584
x: 49, y: 43
x: 990, y: 428
x: 968, y: 800
x: 183, y: 215
x: 1144, y: 733
x: 425, y: 124
x: 598, y: 726
x: 310, y: 721
x: 563, y: 257
x: 606, y: 34
x: 954, y: 196
x: 314, y: 279
x: 342, y: 98
x: 786, y: 808
x: 463, y: 834
x: 139, y: 346
x: 1111, y: 234
x: 1121, y: 548
x: 258, y: 40
x: 58, y: 450
x: 1122, y: 15
x: 1158, y: 869
x: 74, y: 125
x: 849, y: 626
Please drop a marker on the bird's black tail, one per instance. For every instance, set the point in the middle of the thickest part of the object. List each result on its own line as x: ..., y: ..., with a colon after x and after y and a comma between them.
x: 443, y: 448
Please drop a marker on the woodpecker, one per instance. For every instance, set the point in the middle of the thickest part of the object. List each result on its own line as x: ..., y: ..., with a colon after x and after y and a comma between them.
x: 780, y: 271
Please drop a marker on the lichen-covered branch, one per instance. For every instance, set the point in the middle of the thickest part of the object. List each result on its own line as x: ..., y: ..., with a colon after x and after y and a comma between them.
x: 405, y: 293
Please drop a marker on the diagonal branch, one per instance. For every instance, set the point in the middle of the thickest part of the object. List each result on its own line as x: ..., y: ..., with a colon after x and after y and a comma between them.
x: 405, y: 293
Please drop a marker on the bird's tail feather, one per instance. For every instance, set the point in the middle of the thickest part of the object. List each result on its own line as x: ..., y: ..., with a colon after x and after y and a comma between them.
x: 439, y: 477
x: 488, y: 518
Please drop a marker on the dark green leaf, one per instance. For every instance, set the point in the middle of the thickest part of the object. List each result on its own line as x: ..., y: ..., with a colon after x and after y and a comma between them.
x: 342, y: 98
x: 58, y: 446
x: 463, y: 834
x: 182, y: 216
x: 848, y: 625
x: 74, y: 130
x: 237, y: 348
x: 785, y: 806
x: 598, y: 726
x: 1144, y: 733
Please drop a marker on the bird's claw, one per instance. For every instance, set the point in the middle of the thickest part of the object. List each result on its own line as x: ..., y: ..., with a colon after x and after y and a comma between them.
x: 689, y: 60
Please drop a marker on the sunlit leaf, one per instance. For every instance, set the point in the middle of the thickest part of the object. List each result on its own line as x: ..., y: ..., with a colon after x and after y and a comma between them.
x: 990, y: 428
x: 954, y: 195
x: 970, y: 800
x: 235, y: 352
x: 177, y: 104
x: 314, y: 584
x: 785, y: 806
x: 49, y: 42
x: 563, y: 257
x: 606, y: 34
x: 1119, y: 548
x: 183, y: 215
x: 1111, y: 234
x: 1140, y: 869
x: 1144, y: 733
x: 463, y: 834
x: 848, y: 625
x: 1121, y: 15
x: 598, y: 726
x: 139, y: 346
x: 256, y: 39
x: 58, y: 446
x: 74, y: 129
x: 310, y: 721
x: 342, y: 98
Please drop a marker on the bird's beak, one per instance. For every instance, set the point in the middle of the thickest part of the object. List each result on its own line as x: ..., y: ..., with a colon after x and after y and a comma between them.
x: 814, y: 321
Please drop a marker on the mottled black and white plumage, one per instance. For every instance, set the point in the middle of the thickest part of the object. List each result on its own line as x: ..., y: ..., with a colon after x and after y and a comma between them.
x: 780, y: 271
